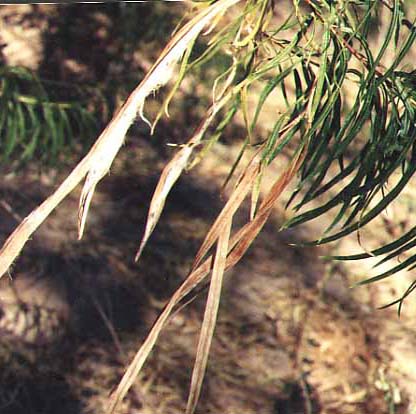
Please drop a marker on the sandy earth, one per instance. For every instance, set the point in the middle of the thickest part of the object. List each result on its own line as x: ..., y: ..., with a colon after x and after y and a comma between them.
x: 292, y: 337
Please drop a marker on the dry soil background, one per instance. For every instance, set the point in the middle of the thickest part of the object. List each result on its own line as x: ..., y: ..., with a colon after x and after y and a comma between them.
x: 292, y: 337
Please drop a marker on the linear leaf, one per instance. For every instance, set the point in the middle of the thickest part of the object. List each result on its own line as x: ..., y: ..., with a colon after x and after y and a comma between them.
x: 210, y: 317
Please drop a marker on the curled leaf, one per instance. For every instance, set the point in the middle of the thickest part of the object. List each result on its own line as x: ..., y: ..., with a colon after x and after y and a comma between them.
x: 172, y: 172
x: 113, y: 136
x: 99, y: 159
x: 169, y: 176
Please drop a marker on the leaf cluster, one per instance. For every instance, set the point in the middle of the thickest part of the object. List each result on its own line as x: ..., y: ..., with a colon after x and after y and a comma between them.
x: 345, y: 156
x: 35, y: 123
x: 354, y: 149
x: 352, y: 157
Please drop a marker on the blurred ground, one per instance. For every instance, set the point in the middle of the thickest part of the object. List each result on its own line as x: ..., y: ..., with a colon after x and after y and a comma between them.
x: 292, y: 337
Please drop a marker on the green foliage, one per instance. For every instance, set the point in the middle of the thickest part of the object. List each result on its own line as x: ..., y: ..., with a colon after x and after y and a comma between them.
x: 35, y: 124
x: 346, y: 111
x: 320, y: 54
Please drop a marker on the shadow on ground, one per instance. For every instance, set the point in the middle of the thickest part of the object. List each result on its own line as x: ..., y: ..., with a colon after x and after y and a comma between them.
x: 257, y: 362
x: 291, y: 338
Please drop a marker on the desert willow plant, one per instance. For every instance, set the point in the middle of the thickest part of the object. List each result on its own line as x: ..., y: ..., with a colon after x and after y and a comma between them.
x: 309, y: 57
x: 35, y: 124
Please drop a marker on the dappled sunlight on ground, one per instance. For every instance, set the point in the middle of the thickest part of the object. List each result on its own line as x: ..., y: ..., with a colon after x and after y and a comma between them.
x: 292, y: 337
